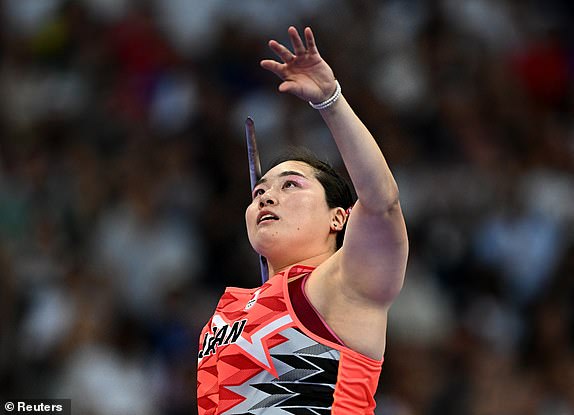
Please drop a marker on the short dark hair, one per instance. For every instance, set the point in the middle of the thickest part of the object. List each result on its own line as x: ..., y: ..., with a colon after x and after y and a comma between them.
x: 338, y: 191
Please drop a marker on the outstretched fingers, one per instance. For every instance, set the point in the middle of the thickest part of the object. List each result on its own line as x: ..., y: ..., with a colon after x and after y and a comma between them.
x: 281, y: 51
x: 299, y: 70
x: 310, y: 40
x: 275, y: 67
x: 296, y: 41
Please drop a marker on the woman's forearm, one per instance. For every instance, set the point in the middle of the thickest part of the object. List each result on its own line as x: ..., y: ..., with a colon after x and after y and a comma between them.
x: 367, y: 167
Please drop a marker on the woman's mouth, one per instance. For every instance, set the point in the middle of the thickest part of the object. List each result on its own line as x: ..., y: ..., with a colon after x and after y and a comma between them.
x: 266, y: 216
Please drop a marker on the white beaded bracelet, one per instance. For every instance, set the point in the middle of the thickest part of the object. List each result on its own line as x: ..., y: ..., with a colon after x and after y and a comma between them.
x: 329, y: 101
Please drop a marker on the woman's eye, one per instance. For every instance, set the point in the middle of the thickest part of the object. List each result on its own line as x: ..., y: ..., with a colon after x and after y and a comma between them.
x: 289, y: 183
x: 257, y: 192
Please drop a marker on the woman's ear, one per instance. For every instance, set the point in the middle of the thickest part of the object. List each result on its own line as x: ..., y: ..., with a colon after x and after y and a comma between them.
x: 338, y: 219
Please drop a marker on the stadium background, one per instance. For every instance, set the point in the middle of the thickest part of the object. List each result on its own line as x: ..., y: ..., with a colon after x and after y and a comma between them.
x: 123, y: 180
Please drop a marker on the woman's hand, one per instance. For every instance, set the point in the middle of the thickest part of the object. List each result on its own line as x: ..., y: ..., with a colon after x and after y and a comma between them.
x: 304, y: 73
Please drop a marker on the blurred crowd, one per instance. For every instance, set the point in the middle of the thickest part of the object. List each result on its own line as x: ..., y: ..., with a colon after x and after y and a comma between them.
x: 123, y: 183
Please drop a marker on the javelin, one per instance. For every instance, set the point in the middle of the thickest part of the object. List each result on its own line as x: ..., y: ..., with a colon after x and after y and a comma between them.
x: 254, y: 176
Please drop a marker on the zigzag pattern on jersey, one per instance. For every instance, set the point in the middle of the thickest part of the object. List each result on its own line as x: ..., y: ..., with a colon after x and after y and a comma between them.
x: 305, y: 385
x: 236, y: 367
x: 232, y: 365
x: 272, y: 367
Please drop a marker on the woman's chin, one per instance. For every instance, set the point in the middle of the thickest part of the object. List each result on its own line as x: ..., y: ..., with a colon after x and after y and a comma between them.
x: 267, y: 251
x: 271, y: 247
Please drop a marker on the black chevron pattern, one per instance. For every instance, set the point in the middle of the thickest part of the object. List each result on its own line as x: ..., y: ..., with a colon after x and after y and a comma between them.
x: 306, y: 389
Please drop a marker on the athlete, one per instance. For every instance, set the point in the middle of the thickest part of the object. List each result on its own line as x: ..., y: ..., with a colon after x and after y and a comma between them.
x: 311, y: 339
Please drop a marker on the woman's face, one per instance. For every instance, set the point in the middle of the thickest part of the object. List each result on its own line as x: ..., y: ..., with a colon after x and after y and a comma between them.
x: 289, y: 218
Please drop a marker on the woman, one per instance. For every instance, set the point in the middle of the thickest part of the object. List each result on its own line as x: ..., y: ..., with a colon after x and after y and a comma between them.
x: 310, y: 340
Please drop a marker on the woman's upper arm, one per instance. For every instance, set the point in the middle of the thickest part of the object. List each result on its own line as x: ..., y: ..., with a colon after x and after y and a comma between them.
x: 374, y: 253
x: 357, y: 284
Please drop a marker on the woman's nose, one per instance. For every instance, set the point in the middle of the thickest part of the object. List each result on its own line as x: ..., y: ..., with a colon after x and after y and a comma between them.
x: 266, y: 200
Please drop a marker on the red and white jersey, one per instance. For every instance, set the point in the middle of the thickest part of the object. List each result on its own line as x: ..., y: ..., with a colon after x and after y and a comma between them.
x: 256, y: 357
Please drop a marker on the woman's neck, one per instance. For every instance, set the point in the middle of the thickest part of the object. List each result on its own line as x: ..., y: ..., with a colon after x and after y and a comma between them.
x: 313, y: 261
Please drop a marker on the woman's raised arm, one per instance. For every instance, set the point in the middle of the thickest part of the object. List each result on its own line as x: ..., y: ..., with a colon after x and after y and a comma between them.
x: 371, y: 264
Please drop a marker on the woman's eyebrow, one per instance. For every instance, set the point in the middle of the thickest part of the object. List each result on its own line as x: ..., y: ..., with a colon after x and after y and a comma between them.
x: 291, y: 173
x: 282, y: 174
